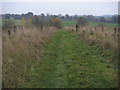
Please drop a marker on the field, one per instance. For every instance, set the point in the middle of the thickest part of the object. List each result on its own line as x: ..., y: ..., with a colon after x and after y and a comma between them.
x: 35, y: 57
x: 17, y: 22
x: 69, y: 23
x: 107, y: 24
x: 73, y: 23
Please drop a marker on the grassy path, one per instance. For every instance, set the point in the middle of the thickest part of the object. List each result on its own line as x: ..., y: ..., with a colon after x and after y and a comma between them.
x: 69, y: 63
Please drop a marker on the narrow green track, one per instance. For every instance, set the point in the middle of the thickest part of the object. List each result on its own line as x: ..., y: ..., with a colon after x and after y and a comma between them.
x: 70, y: 63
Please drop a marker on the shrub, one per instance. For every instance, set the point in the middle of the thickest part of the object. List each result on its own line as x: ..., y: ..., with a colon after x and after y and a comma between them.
x: 36, y: 20
x: 23, y: 21
x: 82, y: 21
x: 30, y: 21
x: 39, y: 21
x: 56, y: 22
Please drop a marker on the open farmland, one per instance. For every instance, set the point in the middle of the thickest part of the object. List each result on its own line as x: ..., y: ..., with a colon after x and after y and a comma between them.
x: 60, y: 45
x: 69, y: 23
x: 107, y: 24
x: 73, y: 23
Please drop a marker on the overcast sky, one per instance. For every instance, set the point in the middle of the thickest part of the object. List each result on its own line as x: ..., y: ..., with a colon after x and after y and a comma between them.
x: 72, y: 8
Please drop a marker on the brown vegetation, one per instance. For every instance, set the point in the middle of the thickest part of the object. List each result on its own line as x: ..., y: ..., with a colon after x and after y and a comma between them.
x: 22, y: 48
x: 105, y: 37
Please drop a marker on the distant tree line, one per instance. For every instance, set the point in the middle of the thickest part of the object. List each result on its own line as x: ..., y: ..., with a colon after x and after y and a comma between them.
x: 30, y: 19
x: 105, y: 18
x: 56, y: 20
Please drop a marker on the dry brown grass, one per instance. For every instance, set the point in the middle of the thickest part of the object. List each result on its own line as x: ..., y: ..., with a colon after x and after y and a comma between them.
x: 106, y: 38
x: 21, y: 50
